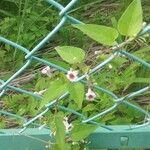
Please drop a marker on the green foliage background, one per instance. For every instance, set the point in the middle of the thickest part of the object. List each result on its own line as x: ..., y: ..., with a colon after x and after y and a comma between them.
x: 28, y: 21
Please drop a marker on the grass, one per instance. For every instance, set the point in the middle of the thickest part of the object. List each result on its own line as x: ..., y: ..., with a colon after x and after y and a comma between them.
x: 30, y: 25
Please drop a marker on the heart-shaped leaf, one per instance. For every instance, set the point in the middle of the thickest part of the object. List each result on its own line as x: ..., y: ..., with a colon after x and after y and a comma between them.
x: 55, y: 90
x: 102, y: 34
x: 71, y: 54
x: 130, y: 22
x: 81, y: 131
x: 76, y: 91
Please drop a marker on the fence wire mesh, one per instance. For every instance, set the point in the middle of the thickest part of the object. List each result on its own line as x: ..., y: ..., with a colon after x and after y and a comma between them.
x: 30, y: 55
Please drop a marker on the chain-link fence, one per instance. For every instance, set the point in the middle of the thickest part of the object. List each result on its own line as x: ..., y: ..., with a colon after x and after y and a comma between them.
x: 30, y: 55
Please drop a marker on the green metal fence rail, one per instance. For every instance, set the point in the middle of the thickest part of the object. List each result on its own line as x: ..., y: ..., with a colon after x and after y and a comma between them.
x: 135, y: 136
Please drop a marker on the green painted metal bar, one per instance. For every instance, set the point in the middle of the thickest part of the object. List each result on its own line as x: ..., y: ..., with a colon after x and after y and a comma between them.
x: 12, y: 115
x: 135, y: 58
x: 16, y: 74
x: 56, y: 4
x: 47, y: 38
x: 101, y: 114
x: 83, y: 117
x: 35, y: 139
x: 146, y: 30
x: 30, y: 139
x: 120, y: 101
x: 120, y: 138
x: 12, y: 88
x: 2, y: 92
x: 68, y: 7
x: 3, y: 112
x: 100, y: 66
x: 60, y: 7
x: 13, y: 44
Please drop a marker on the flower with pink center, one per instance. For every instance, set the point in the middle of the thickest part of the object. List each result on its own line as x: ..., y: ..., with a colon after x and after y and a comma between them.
x: 72, y: 75
x: 46, y: 71
x: 90, y: 95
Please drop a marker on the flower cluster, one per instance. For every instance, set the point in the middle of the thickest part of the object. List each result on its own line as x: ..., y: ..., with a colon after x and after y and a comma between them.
x: 72, y: 75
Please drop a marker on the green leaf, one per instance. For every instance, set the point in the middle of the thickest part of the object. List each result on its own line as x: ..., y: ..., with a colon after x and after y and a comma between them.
x: 55, y: 90
x: 130, y: 22
x: 2, y: 53
x: 75, y: 147
x: 60, y: 133
x: 57, y: 147
x: 89, y: 107
x: 81, y: 131
x: 141, y: 80
x: 129, y: 112
x: 71, y: 54
x: 76, y: 91
x: 73, y: 106
x: 121, y: 120
x: 61, y: 63
x: 40, y: 85
x: 102, y: 34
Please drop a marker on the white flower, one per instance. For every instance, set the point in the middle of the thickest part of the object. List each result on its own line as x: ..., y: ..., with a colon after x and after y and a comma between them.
x: 110, y: 66
x: 72, y: 75
x: 68, y: 126
x: 46, y: 71
x: 40, y: 92
x: 90, y: 95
